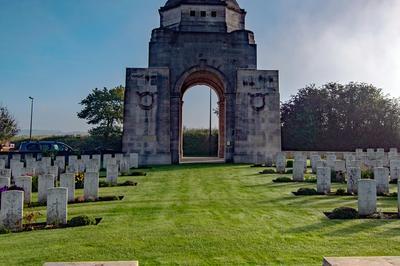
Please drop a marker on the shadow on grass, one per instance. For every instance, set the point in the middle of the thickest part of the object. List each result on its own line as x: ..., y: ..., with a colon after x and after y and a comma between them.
x: 366, y: 226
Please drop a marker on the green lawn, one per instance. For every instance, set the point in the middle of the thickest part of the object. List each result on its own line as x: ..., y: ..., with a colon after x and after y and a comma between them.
x: 208, y: 214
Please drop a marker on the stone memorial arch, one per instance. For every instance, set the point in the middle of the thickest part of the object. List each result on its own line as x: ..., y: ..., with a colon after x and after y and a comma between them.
x: 202, y: 42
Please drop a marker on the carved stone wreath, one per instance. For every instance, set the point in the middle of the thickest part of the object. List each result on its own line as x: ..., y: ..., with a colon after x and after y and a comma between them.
x: 257, y: 101
x: 146, y: 100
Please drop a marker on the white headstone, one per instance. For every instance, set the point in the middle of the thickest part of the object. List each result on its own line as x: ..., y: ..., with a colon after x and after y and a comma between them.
x: 16, y: 157
x: 60, y: 163
x: 298, y: 170
x: 81, y: 166
x: 97, y: 158
x: 280, y: 163
x: 340, y: 166
x: 25, y: 182
x: 315, y: 158
x: 353, y: 175
x: 381, y: 176
x: 2, y: 164
x: 67, y: 180
x: 394, y: 169
x: 118, y: 157
x: 134, y: 160
x: 371, y: 154
x: 112, y: 174
x: 44, y: 183
x: 57, y: 206
x: 330, y: 161
x: 5, y: 173
x: 53, y: 170
x: 91, y: 185
x: 124, y: 165
x: 16, y: 167
x: 92, y: 165
x: 46, y: 161
x: 30, y: 162
x: 4, y: 182
x: 324, y: 180
x: 12, y: 208
x: 366, y: 196
x: 72, y: 159
x: 106, y: 158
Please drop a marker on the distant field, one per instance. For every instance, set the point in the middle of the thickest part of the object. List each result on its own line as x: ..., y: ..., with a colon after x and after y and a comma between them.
x: 208, y: 214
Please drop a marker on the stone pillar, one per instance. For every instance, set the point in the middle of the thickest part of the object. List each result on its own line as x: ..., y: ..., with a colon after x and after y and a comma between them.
x: 230, y: 114
x: 4, y: 182
x: 381, y: 175
x: 112, y: 174
x: 44, y: 183
x: 175, y: 109
x: 12, y: 208
x: 324, y: 180
x: 353, y: 175
x: 25, y: 182
x: 366, y: 196
x: 221, y: 136
x: 298, y: 170
x: 67, y: 180
x: 57, y: 206
x: 280, y: 163
x: 91, y: 185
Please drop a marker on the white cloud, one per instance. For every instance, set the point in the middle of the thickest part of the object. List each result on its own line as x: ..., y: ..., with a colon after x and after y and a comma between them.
x: 343, y: 41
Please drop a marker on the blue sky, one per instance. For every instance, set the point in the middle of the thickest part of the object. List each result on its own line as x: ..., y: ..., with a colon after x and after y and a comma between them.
x: 58, y: 51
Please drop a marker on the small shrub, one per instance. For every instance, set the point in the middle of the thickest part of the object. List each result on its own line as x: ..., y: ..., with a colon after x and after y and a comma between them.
x: 268, y: 172
x: 283, y: 179
x: 337, y: 177
x: 367, y: 174
x: 79, y: 180
x: 4, y: 231
x: 128, y: 183
x: 138, y: 173
x: 310, y: 179
x: 103, y: 183
x: 393, y: 181
x: 108, y: 198
x: 289, y: 171
x: 289, y: 164
x: 344, y: 213
x: 341, y: 192
x: 103, y: 169
x: 82, y: 220
x: 306, y: 191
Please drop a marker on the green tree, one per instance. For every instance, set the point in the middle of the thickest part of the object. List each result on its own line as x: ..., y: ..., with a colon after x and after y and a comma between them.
x: 340, y: 117
x: 8, y: 125
x: 104, y: 108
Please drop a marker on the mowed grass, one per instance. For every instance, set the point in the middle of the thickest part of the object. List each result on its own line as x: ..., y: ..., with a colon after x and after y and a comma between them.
x: 208, y: 215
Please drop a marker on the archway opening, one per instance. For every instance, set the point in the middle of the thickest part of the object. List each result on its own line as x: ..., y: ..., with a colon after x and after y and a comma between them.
x: 201, y: 80
x: 200, y: 123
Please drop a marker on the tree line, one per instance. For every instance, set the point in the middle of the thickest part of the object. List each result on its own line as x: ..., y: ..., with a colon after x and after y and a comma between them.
x: 333, y: 117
